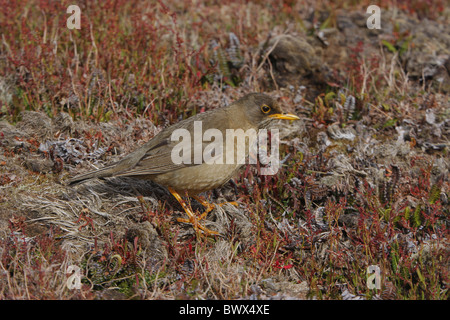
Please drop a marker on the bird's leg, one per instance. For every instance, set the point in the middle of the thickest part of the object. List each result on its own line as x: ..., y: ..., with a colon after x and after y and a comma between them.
x: 193, y: 219
x: 209, y: 207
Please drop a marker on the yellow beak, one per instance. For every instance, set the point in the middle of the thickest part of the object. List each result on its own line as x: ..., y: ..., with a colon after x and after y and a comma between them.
x: 285, y: 116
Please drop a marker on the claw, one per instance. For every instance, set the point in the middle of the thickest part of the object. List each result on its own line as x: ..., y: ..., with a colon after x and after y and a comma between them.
x: 192, y: 217
x: 209, y: 207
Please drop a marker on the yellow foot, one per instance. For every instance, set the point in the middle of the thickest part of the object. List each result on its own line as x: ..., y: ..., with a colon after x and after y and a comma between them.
x: 192, y: 217
x: 209, y: 207
x: 197, y: 226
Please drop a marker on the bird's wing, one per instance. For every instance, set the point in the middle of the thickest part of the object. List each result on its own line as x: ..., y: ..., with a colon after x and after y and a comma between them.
x: 156, y: 161
x: 162, y: 157
x: 155, y: 156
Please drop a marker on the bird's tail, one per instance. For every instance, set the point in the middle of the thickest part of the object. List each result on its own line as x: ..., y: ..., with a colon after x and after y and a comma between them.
x: 100, y: 173
x: 114, y: 169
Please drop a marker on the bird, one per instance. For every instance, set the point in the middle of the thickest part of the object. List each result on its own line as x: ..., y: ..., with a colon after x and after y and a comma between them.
x: 154, y: 160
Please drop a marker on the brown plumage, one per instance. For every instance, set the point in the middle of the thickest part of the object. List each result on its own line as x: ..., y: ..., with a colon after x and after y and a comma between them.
x: 153, y: 160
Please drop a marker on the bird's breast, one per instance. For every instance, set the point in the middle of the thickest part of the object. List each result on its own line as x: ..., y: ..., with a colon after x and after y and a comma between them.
x: 199, y: 178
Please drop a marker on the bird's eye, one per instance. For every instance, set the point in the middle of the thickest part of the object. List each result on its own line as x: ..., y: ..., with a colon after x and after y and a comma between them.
x: 265, y: 108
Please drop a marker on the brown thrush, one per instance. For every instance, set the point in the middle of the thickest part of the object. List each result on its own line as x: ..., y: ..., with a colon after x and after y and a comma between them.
x: 154, y: 160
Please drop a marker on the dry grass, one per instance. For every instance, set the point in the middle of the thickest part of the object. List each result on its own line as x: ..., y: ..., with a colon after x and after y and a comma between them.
x: 364, y: 178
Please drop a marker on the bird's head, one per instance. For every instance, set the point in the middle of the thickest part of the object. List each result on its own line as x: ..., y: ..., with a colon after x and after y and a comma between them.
x: 260, y: 109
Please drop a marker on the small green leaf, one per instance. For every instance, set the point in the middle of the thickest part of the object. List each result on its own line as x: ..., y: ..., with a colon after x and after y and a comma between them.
x: 407, y: 213
x: 386, y: 213
x: 435, y: 194
x: 394, y: 256
x: 417, y: 216
x: 390, y: 123
x: 326, y: 23
x: 389, y: 46
x: 421, y: 277
x: 107, y: 116
x: 328, y: 97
